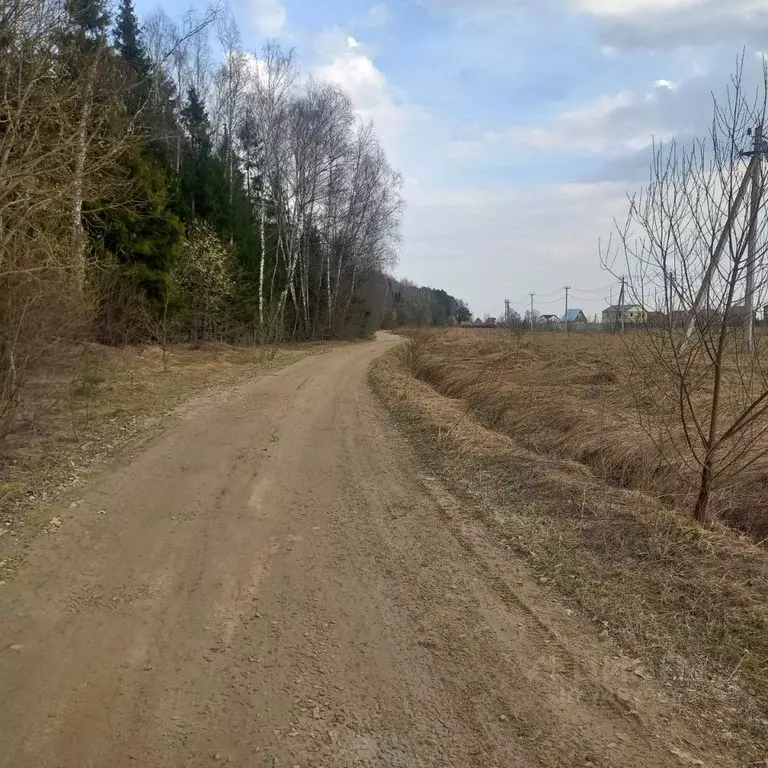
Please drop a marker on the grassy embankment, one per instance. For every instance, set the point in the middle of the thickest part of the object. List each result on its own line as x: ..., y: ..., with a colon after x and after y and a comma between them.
x: 539, y: 431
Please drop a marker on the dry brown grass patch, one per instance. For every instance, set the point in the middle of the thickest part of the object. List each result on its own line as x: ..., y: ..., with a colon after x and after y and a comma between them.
x: 581, y: 397
x: 692, y: 602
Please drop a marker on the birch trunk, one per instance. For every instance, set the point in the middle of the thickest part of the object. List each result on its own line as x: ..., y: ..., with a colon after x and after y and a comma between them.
x: 262, y: 216
x: 81, y: 153
x: 351, y: 293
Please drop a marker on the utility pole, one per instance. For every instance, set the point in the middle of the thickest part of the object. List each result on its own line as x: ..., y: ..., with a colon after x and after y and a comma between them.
x: 619, y: 310
x: 532, y: 295
x: 671, y: 287
x: 621, y: 305
x: 749, y: 297
x: 565, y: 316
x: 702, y: 294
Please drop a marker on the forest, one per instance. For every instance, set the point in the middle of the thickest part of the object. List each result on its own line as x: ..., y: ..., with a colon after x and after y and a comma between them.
x: 158, y: 182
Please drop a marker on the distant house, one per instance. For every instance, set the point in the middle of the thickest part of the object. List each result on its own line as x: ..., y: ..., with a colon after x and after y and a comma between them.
x: 489, y: 322
x: 574, y: 316
x: 680, y: 318
x: 547, y: 319
x: 628, y: 313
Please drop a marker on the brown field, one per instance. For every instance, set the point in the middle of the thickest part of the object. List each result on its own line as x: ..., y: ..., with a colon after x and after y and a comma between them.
x: 543, y: 432
x: 599, y: 399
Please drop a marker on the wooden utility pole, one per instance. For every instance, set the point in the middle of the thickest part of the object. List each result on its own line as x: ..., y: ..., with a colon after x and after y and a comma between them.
x: 672, y: 289
x: 703, y: 293
x: 532, y: 295
x: 619, y: 310
x: 565, y: 316
x: 749, y: 296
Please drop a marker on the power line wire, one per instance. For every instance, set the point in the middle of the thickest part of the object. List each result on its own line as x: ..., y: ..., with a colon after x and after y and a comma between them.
x: 550, y: 293
x: 597, y: 290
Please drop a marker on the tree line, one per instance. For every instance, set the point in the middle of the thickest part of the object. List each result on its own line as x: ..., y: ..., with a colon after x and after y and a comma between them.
x: 405, y: 303
x: 159, y: 182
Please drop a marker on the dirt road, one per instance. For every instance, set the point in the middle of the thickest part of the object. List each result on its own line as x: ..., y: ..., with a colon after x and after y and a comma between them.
x: 273, y: 582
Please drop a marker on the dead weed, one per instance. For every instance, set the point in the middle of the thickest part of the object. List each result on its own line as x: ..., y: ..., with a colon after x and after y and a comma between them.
x: 692, y: 602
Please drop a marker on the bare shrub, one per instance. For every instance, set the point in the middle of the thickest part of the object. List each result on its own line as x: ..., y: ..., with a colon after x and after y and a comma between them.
x: 205, y: 283
x: 56, y: 144
x: 690, y: 248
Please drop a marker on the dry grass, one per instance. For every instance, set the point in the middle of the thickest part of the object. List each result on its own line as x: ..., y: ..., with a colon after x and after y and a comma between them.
x: 586, y: 397
x: 691, y: 601
x: 86, y: 402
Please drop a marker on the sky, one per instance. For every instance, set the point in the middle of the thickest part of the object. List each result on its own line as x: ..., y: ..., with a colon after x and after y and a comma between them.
x: 519, y: 126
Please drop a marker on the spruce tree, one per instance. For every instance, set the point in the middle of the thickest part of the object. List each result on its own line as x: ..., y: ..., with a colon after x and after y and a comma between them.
x: 88, y: 21
x: 127, y: 38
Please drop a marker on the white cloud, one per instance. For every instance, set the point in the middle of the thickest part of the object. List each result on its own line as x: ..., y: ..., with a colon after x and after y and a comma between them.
x: 269, y: 17
x: 673, y: 23
x: 609, y: 125
x: 256, y: 67
x: 623, y: 8
x: 345, y: 61
x: 617, y: 129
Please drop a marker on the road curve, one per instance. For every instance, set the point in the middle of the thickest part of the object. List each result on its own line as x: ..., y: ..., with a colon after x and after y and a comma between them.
x: 273, y: 582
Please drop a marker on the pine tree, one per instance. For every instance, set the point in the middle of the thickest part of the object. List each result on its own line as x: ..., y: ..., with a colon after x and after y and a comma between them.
x: 127, y: 38
x: 198, y: 125
x: 89, y: 20
x: 146, y: 236
x: 196, y: 172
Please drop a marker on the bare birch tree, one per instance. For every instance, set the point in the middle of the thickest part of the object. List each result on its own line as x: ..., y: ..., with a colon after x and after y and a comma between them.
x: 271, y: 98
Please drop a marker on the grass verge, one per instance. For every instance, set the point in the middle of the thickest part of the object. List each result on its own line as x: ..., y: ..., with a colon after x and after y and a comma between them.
x: 691, y: 602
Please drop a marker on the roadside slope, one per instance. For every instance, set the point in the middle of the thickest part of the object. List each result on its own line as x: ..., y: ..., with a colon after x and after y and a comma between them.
x: 676, y: 601
x: 273, y: 582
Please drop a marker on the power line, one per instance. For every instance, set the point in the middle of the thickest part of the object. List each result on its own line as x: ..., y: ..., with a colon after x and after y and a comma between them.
x: 597, y: 290
x: 588, y: 298
x: 549, y: 293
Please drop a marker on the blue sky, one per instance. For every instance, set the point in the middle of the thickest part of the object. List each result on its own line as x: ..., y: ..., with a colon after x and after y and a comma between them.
x: 518, y: 125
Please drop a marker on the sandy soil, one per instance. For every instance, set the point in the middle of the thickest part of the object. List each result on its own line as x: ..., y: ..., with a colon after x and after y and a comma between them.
x: 274, y: 582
